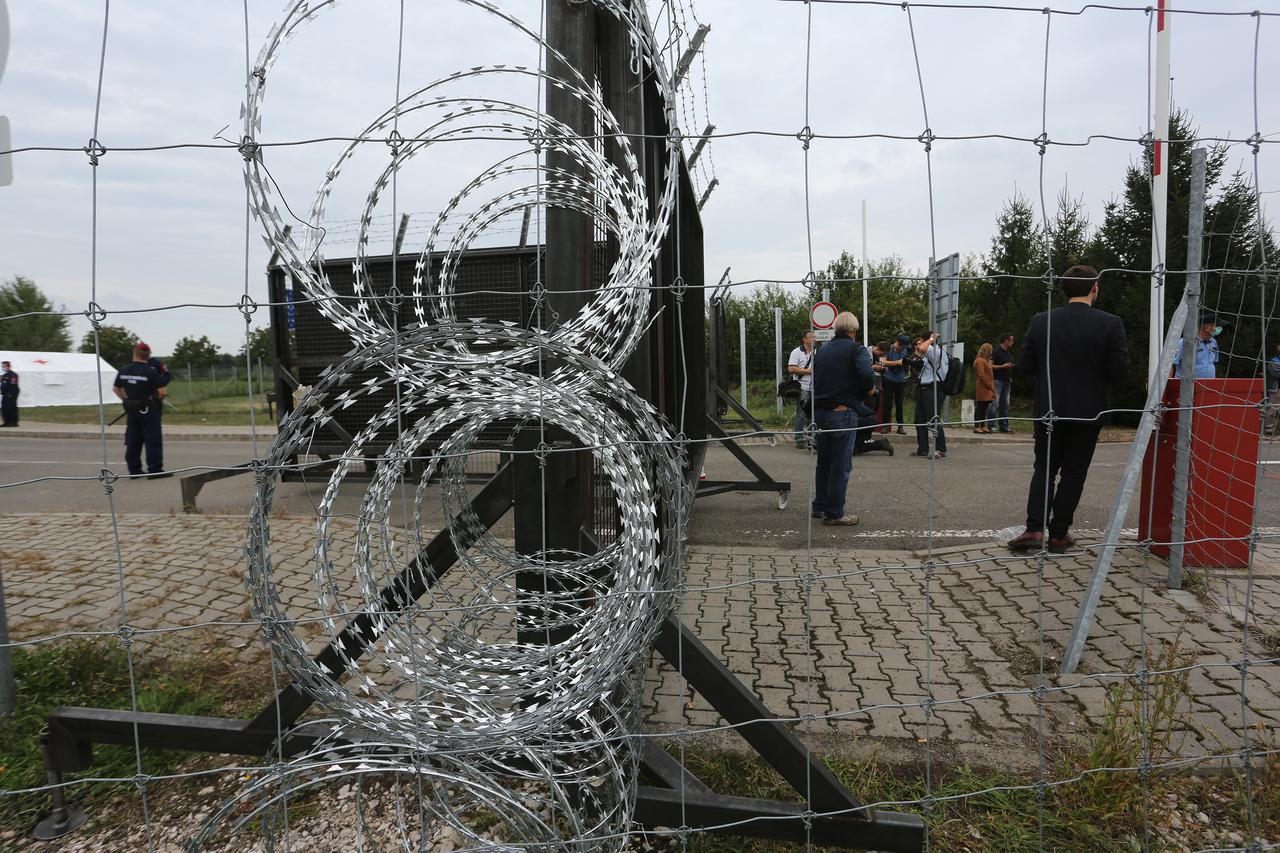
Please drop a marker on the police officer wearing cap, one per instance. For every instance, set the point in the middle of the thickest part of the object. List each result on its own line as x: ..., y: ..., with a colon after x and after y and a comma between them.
x: 1206, y: 349
x: 165, y: 375
x: 141, y: 389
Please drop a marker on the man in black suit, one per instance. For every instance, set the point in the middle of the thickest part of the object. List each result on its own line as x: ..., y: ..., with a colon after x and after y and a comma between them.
x: 1075, y: 353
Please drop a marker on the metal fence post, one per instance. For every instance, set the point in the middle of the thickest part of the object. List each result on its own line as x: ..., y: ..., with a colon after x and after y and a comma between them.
x: 742, y: 358
x: 190, y: 393
x: 1186, y: 388
x: 777, y: 355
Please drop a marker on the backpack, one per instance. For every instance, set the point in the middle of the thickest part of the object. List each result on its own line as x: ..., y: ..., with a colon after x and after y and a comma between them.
x: 953, y: 382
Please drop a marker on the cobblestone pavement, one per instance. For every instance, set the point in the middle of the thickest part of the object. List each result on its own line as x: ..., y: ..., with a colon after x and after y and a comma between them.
x: 880, y: 646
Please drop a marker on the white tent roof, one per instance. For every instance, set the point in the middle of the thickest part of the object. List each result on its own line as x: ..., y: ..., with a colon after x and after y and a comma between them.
x: 61, y: 378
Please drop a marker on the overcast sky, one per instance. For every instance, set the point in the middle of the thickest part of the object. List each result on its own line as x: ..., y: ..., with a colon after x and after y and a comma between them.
x: 171, y: 224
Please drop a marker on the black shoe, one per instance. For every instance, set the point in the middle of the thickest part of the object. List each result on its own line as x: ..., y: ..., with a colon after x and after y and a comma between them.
x: 885, y: 445
x: 816, y: 515
x: 902, y: 430
x: 159, y: 475
x: 1006, y: 431
x: 925, y: 455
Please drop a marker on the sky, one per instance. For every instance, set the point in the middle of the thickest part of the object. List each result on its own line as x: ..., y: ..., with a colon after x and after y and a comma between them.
x: 171, y: 224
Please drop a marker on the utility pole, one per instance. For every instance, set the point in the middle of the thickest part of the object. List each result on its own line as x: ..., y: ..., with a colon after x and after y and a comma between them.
x: 1159, y: 188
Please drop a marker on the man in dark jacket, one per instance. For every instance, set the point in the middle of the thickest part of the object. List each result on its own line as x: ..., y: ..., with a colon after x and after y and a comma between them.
x: 842, y: 377
x: 1075, y: 354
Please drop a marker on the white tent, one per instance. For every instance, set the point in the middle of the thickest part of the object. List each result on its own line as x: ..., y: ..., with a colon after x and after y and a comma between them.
x: 60, y: 378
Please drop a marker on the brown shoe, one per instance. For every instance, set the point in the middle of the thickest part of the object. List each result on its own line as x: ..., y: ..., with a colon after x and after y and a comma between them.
x: 1030, y: 540
x: 844, y: 521
x: 1062, y: 545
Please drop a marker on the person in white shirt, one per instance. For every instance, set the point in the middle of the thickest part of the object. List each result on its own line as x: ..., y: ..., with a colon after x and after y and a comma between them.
x: 929, y: 395
x: 799, y: 366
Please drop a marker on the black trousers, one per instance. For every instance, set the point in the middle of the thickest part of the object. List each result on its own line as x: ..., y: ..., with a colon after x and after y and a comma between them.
x: 1063, y: 463
x: 929, y: 406
x: 143, y: 429
x: 894, y: 395
x: 9, y: 410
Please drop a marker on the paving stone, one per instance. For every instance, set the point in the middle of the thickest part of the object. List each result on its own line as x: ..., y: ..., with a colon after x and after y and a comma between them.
x: 867, y: 628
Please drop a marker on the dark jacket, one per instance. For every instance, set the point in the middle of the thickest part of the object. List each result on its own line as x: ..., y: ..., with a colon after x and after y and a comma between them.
x: 842, y: 374
x: 1076, y: 353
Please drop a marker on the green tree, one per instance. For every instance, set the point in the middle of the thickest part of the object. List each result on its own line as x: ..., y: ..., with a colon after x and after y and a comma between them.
x: 258, y: 348
x: 1234, y: 244
x: 897, y: 298
x: 114, y: 344
x: 194, y: 352
x: 38, y: 330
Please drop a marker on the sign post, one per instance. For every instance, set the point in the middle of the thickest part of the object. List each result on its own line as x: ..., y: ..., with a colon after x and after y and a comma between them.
x: 822, y: 318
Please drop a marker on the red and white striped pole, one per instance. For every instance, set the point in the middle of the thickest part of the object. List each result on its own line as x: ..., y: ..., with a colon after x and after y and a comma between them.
x: 1159, y: 186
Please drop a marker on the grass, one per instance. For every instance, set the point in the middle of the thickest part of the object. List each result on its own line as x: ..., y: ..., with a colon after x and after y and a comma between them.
x: 95, y: 673
x: 982, y: 809
x: 202, y: 401
x: 973, y: 808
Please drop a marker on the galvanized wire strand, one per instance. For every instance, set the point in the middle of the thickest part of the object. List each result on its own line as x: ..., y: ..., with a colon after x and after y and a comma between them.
x: 1047, y: 421
x: 124, y: 633
x: 805, y: 136
x: 1041, y: 10
x: 936, y: 430
x: 1246, y: 751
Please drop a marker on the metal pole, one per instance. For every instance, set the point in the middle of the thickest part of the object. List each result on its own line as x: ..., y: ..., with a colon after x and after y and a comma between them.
x: 742, y: 359
x: 7, y: 690
x: 866, y: 271
x: 262, y: 391
x: 1128, y: 482
x: 777, y: 355
x: 1159, y: 186
x: 190, y: 394
x: 1186, y: 389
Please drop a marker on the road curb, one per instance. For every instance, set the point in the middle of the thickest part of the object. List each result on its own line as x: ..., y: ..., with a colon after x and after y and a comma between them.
x: 118, y: 432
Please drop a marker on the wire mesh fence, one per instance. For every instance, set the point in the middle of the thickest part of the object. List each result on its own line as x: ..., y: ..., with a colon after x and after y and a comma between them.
x: 516, y: 703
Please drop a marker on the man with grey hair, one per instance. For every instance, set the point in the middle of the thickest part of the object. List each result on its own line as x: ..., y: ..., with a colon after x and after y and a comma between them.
x: 842, y: 377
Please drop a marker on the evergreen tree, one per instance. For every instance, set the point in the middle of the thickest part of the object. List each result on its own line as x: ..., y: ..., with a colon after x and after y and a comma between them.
x: 1122, y: 246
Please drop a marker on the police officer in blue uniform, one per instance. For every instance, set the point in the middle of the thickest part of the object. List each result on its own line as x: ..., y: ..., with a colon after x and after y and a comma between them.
x: 1206, y: 349
x: 8, y: 395
x: 141, y: 389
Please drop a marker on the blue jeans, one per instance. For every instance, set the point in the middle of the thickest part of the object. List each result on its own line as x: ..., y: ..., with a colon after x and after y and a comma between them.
x: 835, y: 460
x: 1003, y: 389
x: 802, y: 417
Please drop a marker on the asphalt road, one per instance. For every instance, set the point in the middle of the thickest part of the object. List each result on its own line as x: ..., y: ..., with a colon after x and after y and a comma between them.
x: 978, y: 489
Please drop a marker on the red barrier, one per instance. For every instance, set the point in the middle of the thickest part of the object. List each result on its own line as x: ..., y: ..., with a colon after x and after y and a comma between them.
x: 1226, y: 427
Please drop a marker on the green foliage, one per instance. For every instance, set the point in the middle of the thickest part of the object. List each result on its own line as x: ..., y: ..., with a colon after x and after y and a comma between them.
x: 39, y: 332
x: 1234, y: 239
x: 93, y: 673
x: 194, y: 352
x: 259, y: 347
x: 897, y: 298
x: 115, y: 344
